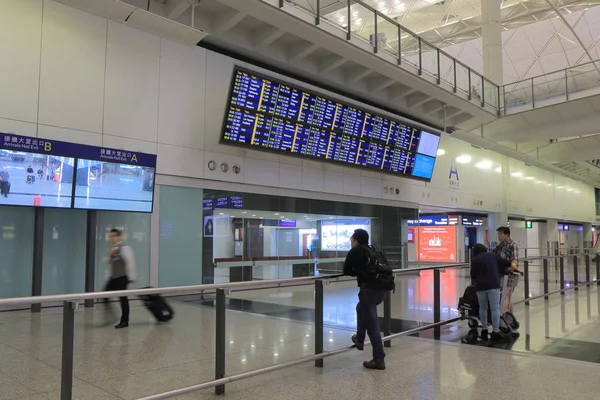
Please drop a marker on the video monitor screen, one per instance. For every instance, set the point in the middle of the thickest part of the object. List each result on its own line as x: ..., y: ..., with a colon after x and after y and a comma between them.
x: 33, y: 179
x: 264, y: 113
x: 104, y: 185
x: 335, y: 235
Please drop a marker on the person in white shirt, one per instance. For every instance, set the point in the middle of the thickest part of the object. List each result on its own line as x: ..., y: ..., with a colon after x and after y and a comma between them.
x: 122, y: 273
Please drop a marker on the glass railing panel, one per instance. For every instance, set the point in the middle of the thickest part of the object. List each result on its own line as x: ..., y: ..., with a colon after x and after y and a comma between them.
x: 462, y: 78
x: 490, y: 91
x: 387, y: 36
x: 583, y: 77
x: 362, y: 23
x: 429, y: 59
x: 409, y: 48
x: 517, y: 94
x: 548, y: 86
x: 476, y: 87
x: 447, y: 72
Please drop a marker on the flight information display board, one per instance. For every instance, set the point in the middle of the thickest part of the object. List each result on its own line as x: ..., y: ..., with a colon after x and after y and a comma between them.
x: 266, y: 114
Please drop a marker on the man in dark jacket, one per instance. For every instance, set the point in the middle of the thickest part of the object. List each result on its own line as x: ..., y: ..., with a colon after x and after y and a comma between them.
x: 487, y: 270
x: 367, y: 321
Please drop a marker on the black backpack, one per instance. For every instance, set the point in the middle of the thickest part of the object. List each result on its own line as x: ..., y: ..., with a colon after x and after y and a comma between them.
x: 379, y: 274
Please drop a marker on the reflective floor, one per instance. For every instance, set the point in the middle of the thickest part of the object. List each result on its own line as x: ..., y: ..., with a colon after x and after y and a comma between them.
x: 556, y: 355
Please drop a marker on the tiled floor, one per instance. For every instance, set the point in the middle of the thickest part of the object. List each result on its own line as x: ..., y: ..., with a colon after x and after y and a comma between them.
x: 147, y: 358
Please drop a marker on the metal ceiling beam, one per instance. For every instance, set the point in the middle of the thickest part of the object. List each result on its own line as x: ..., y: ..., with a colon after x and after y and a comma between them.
x: 564, y: 20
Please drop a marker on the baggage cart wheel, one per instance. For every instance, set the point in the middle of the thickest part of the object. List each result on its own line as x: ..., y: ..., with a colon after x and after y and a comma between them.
x: 515, y: 325
x: 473, y: 323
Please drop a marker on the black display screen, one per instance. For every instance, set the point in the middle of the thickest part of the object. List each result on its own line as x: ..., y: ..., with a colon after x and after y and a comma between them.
x: 266, y: 114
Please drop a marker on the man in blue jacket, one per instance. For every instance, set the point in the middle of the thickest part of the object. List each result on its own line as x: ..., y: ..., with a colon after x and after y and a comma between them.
x: 487, y: 270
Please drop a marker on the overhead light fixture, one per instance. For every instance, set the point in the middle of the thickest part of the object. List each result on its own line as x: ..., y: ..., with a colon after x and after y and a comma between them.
x: 464, y: 159
x: 517, y: 174
x: 485, y: 164
x: 499, y: 169
x: 530, y: 178
x: 441, y: 152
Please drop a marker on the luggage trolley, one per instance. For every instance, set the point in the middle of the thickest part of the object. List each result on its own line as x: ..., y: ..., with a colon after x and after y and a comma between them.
x: 469, y: 308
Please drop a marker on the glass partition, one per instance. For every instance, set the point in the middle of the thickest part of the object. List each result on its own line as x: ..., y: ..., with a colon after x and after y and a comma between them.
x: 63, y: 268
x: 250, y: 236
x: 180, y: 240
x: 16, y: 247
x: 136, y: 233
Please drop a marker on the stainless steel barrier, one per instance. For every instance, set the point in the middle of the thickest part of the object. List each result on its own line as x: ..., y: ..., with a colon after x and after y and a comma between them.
x: 221, y: 291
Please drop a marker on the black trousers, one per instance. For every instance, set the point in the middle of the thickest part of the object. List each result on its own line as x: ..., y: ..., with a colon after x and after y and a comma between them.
x: 119, y: 284
x: 3, y: 188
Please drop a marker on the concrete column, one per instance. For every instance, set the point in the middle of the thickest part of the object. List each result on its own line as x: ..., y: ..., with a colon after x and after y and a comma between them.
x: 491, y: 33
x: 495, y: 221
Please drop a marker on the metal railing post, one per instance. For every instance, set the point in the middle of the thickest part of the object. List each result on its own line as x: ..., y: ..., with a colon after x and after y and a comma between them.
x: 399, y: 45
x: 545, y: 266
x: 482, y: 91
x: 318, y: 17
x: 567, y: 84
x: 319, y: 321
x: 387, y: 318
x: 220, y: 340
x: 455, y: 88
x: 376, y: 47
x: 68, y: 337
x: 562, y: 275
x: 576, y: 272
x: 349, y: 16
x: 526, y: 281
x: 437, y: 312
x: 532, y: 94
x: 588, y: 274
x: 439, y: 69
x: 420, y: 56
x: 597, y: 269
x: 470, y: 84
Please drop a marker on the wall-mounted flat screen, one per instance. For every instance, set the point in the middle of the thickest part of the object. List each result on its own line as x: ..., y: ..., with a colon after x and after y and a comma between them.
x: 264, y: 113
x: 104, y: 185
x: 335, y: 235
x: 33, y: 179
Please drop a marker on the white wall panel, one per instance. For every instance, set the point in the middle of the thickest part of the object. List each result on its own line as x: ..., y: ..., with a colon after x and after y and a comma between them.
x: 182, y: 95
x: 132, y: 71
x: 290, y: 176
x: 69, y: 135
x: 333, y: 181
x: 72, y: 68
x: 219, y: 71
x: 20, y: 41
x: 18, y: 127
x: 352, y: 183
x: 180, y: 161
x: 313, y: 179
x: 118, y: 142
x: 261, y: 172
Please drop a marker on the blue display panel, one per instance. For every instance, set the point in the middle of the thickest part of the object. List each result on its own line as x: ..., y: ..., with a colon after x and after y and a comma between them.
x: 50, y: 173
x: 264, y: 113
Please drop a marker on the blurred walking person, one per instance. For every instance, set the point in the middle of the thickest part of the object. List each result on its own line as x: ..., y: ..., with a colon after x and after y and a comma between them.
x: 122, y: 273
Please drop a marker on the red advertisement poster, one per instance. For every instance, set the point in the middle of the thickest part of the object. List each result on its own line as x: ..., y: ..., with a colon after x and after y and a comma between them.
x: 436, y: 244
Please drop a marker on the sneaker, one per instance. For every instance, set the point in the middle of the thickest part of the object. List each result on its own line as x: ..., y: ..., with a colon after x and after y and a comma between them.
x: 484, y: 335
x: 360, y: 345
x: 380, y: 365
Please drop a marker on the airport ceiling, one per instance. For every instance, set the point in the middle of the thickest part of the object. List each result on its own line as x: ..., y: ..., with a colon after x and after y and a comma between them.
x: 539, y: 36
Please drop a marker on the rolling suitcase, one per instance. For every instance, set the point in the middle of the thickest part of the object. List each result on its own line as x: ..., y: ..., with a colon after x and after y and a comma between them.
x: 158, y: 306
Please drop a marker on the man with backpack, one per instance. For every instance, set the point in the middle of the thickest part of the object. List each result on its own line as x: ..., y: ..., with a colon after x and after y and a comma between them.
x: 375, y: 279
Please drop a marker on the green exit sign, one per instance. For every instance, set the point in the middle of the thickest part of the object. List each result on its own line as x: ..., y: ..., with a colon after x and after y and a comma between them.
x: 528, y: 224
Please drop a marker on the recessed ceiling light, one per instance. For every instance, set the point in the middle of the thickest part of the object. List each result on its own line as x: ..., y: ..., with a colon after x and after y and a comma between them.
x: 441, y: 152
x: 254, y: 215
x: 517, y: 174
x: 464, y: 159
x: 485, y: 164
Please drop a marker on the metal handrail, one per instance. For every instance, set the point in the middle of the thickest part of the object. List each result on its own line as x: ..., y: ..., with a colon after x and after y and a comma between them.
x: 378, y: 14
x: 70, y: 303
x: 233, y: 286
